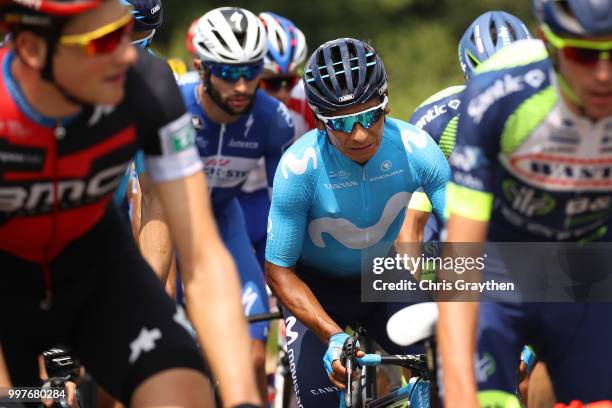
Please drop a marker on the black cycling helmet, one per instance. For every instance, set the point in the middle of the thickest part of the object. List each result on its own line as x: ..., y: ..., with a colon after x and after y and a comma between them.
x: 575, y: 18
x: 148, y: 14
x: 343, y: 73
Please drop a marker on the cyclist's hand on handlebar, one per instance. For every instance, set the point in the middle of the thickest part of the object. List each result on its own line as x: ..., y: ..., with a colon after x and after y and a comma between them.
x: 332, y: 363
x: 338, y: 373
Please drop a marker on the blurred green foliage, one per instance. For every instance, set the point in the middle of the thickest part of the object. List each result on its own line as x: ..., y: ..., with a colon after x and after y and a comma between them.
x: 417, y: 39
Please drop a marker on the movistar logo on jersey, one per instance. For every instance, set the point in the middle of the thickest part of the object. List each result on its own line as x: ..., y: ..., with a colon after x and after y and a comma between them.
x: 416, y: 138
x: 298, y: 166
x: 353, y: 237
x: 526, y: 200
x: 501, y: 88
x: 437, y: 111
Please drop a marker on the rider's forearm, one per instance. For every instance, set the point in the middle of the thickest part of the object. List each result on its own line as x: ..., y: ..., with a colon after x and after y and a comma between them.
x: 297, y: 297
x: 213, y: 299
x: 212, y: 287
x: 413, y: 227
x: 458, y: 321
x: 457, y: 343
x: 154, y: 239
x: 5, y: 380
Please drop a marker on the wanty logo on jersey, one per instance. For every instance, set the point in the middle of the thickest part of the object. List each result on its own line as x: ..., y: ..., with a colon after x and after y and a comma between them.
x: 298, y: 166
x: 501, y: 88
x: 563, y: 173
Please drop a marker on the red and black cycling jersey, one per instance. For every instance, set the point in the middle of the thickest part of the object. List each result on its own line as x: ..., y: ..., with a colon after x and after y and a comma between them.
x: 58, y: 177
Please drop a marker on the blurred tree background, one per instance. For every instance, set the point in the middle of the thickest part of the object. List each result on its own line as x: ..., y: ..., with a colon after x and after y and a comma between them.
x: 417, y: 39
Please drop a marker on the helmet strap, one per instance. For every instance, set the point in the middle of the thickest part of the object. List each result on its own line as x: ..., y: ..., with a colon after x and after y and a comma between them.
x: 47, y: 74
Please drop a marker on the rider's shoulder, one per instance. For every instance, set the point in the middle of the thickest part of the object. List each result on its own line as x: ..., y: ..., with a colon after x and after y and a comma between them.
x: 303, y: 158
x: 271, y: 110
x: 507, y: 80
x: 405, y: 136
x: 189, y: 78
x: 443, y: 96
x: 522, y: 67
x: 150, y: 68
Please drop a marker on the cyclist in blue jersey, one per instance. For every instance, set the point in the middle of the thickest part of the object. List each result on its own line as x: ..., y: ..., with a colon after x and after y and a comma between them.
x: 286, y: 53
x: 530, y: 164
x: 236, y: 125
x: 439, y: 114
x: 340, y: 193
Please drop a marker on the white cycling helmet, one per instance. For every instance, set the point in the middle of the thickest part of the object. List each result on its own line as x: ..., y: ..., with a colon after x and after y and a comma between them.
x: 230, y: 35
x: 286, y: 44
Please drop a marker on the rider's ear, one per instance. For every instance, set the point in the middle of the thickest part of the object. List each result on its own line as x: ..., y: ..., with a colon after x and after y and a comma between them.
x: 197, y: 64
x: 387, y: 108
x: 32, y: 49
x: 320, y: 125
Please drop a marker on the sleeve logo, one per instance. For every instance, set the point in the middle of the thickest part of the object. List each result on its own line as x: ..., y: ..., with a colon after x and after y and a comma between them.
x: 298, y: 166
x: 416, y: 137
x: 177, y: 136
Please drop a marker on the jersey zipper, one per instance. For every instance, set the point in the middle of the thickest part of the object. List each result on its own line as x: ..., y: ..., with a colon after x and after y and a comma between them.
x: 58, y: 134
x: 217, y: 158
x: 364, y: 192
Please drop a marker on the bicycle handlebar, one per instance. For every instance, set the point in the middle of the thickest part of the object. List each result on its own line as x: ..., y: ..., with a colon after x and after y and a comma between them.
x: 263, y: 317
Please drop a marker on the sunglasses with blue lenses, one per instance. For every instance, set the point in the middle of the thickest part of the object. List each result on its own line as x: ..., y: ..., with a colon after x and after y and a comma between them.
x: 366, y: 118
x: 232, y: 73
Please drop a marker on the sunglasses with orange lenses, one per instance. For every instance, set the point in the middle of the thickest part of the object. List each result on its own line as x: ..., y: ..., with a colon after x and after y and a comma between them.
x: 103, y: 40
x: 580, y: 51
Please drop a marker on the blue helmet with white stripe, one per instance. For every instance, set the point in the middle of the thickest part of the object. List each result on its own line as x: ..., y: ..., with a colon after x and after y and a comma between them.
x: 489, y: 33
x: 575, y: 18
x: 286, y: 44
x: 148, y: 14
x: 343, y: 73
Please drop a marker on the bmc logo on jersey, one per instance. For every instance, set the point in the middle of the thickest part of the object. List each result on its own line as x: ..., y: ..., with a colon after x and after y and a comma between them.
x: 39, y: 196
x: 561, y: 173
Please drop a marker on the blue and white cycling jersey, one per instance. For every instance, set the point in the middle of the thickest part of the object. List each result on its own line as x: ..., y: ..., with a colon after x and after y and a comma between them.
x: 230, y: 151
x: 524, y: 160
x: 439, y: 116
x: 327, y: 209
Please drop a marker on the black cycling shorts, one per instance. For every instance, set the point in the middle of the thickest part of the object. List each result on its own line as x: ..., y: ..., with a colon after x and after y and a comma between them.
x: 107, y: 305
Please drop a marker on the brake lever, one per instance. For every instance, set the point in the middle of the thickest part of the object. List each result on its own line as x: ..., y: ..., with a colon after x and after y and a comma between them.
x: 349, y: 358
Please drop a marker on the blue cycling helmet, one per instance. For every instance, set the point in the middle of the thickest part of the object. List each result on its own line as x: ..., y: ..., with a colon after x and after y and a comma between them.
x: 148, y: 14
x: 343, y: 73
x: 489, y: 33
x: 286, y: 44
x: 575, y: 18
